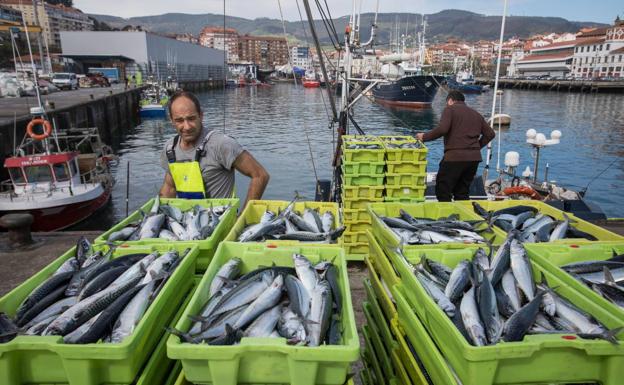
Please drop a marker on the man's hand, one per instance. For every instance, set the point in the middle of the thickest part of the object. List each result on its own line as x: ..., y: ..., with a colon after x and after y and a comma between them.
x: 420, y: 136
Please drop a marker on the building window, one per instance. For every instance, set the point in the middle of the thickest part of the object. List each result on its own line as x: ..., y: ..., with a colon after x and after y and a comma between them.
x: 613, y: 59
x: 600, y: 47
x: 608, y: 46
x: 594, y: 49
x: 620, y: 59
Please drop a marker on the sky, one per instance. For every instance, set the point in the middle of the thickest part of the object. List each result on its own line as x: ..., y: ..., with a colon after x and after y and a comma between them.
x: 603, y: 11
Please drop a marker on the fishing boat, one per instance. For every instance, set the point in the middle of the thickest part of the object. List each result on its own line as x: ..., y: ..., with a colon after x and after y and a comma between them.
x: 310, y: 80
x: 60, y: 177
x: 465, y: 83
x: 406, y: 83
x: 153, y: 102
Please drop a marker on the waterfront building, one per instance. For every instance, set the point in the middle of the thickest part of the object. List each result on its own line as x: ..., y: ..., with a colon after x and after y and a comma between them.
x: 483, y: 51
x: 223, y: 39
x: 148, y: 53
x: 301, y: 57
x: 553, y: 59
x: 265, y: 51
x: 53, y: 18
x: 599, y: 53
x: 9, y: 14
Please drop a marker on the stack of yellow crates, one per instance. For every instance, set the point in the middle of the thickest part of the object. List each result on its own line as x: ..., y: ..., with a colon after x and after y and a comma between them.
x: 363, y: 174
x: 406, y: 169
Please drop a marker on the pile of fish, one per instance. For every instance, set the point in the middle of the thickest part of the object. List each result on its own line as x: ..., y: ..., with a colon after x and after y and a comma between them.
x: 362, y: 146
x: 302, y: 304
x: 533, y: 226
x: 170, y: 223
x: 290, y: 225
x: 93, y: 297
x: 420, y: 231
x: 605, y: 277
x: 494, y: 299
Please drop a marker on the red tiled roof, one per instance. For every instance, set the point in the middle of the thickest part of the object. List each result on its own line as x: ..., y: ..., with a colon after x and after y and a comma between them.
x: 592, y: 32
x: 217, y: 30
x: 616, y: 51
x: 561, y: 55
x: 580, y: 42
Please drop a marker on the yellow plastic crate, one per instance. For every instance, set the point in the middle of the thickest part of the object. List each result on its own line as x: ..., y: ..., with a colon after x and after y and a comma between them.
x: 404, y: 200
x: 359, y: 204
x: 382, y: 262
x: 382, y: 292
x: 359, y: 226
x: 363, y: 180
x: 355, y: 248
x: 407, y: 167
x: 362, y: 192
x: 354, y: 237
x: 349, y: 168
x: 405, y: 191
x: 406, y: 179
x: 355, y: 215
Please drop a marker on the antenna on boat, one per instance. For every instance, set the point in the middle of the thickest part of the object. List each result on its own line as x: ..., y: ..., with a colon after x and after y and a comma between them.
x: 498, y: 63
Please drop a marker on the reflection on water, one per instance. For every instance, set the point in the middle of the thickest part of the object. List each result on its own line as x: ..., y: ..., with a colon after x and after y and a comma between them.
x: 273, y: 123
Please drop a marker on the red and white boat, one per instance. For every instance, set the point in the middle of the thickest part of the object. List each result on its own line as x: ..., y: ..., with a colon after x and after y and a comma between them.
x: 59, y: 188
x: 310, y: 81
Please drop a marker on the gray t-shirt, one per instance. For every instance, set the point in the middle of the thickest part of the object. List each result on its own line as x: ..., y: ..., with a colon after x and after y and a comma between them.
x: 216, y: 165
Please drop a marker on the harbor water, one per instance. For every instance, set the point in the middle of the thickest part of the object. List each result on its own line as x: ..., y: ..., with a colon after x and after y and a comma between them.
x: 286, y: 128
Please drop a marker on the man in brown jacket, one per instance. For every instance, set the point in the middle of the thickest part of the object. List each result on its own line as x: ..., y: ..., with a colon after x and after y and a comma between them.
x: 465, y: 133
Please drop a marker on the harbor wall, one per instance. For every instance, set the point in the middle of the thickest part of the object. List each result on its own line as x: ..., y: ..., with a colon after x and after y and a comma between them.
x: 588, y: 86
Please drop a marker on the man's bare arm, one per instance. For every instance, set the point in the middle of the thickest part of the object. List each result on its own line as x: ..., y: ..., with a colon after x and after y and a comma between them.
x: 168, y: 188
x: 247, y: 165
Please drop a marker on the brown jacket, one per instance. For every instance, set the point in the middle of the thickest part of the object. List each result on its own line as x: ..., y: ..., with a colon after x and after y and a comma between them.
x: 465, y: 133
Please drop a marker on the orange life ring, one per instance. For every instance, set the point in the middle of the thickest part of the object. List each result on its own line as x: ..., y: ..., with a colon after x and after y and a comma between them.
x: 523, y: 190
x: 47, y: 129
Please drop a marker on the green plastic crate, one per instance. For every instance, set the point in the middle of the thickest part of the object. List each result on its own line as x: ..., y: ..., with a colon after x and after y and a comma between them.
x: 557, y: 358
x: 379, y: 350
x: 363, y: 168
x: 406, y: 179
x: 207, y: 246
x: 255, y: 208
x: 372, y: 309
x: 371, y: 357
x: 359, y: 204
x: 363, y: 180
x: 36, y: 359
x: 354, y: 237
x: 405, y: 191
x: 406, y: 154
x: 362, y: 192
x: 363, y: 155
x: 382, y: 261
x: 403, y: 167
x: 600, y: 233
x: 399, y: 369
x: 551, y: 256
x: 365, y: 377
x: 352, y: 249
x: 160, y: 367
x: 381, y: 290
x: 267, y: 360
x: 434, y: 210
x: 355, y: 215
x: 407, y: 359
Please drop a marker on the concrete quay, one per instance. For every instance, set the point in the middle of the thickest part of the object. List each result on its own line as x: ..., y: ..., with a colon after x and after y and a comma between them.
x: 588, y: 86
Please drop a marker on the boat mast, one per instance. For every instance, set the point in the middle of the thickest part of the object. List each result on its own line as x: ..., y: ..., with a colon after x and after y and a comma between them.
x: 498, y: 63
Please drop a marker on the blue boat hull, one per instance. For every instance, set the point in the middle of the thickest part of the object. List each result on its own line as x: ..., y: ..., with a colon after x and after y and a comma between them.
x: 153, y: 112
x: 466, y: 88
x: 410, y: 91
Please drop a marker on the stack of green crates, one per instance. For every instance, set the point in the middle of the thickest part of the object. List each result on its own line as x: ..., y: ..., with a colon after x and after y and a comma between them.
x: 363, y: 174
x: 406, y: 169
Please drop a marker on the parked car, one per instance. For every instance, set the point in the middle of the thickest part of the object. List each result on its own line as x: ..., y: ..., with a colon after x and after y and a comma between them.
x: 65, y: 80
x: 47, y: 87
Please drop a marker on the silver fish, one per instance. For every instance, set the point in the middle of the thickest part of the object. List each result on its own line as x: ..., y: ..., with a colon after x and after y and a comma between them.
x: 327, y: 221
x: 291, y: 326
x: 123, y: 234
x: 470, y: 316
x: 508, y: 284
x: 151, y: 227
x: 228, y: 271
x: 458, y: 281
x: 168, y: 235
x: 521, y: 268
x: 269, y: 298
x: 131, y: 315
x: 437, y: 294
x: 320, y: 313
x: 264, y: 325
x: 306, y: 272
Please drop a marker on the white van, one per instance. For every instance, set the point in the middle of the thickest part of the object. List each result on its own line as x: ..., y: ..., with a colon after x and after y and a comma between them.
x: 65, y: 80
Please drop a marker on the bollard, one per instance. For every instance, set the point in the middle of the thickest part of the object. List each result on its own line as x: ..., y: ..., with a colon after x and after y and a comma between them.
x: 18, y: 226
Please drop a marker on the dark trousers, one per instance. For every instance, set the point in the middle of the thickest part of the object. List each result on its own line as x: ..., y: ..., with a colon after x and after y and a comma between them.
x: 454, y: 179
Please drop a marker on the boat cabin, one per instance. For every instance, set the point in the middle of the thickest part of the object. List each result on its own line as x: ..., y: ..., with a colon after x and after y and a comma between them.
x: 44, y: 169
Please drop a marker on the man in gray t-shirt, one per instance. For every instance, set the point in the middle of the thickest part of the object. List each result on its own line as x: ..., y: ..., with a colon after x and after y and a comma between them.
x: 215, y: 165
